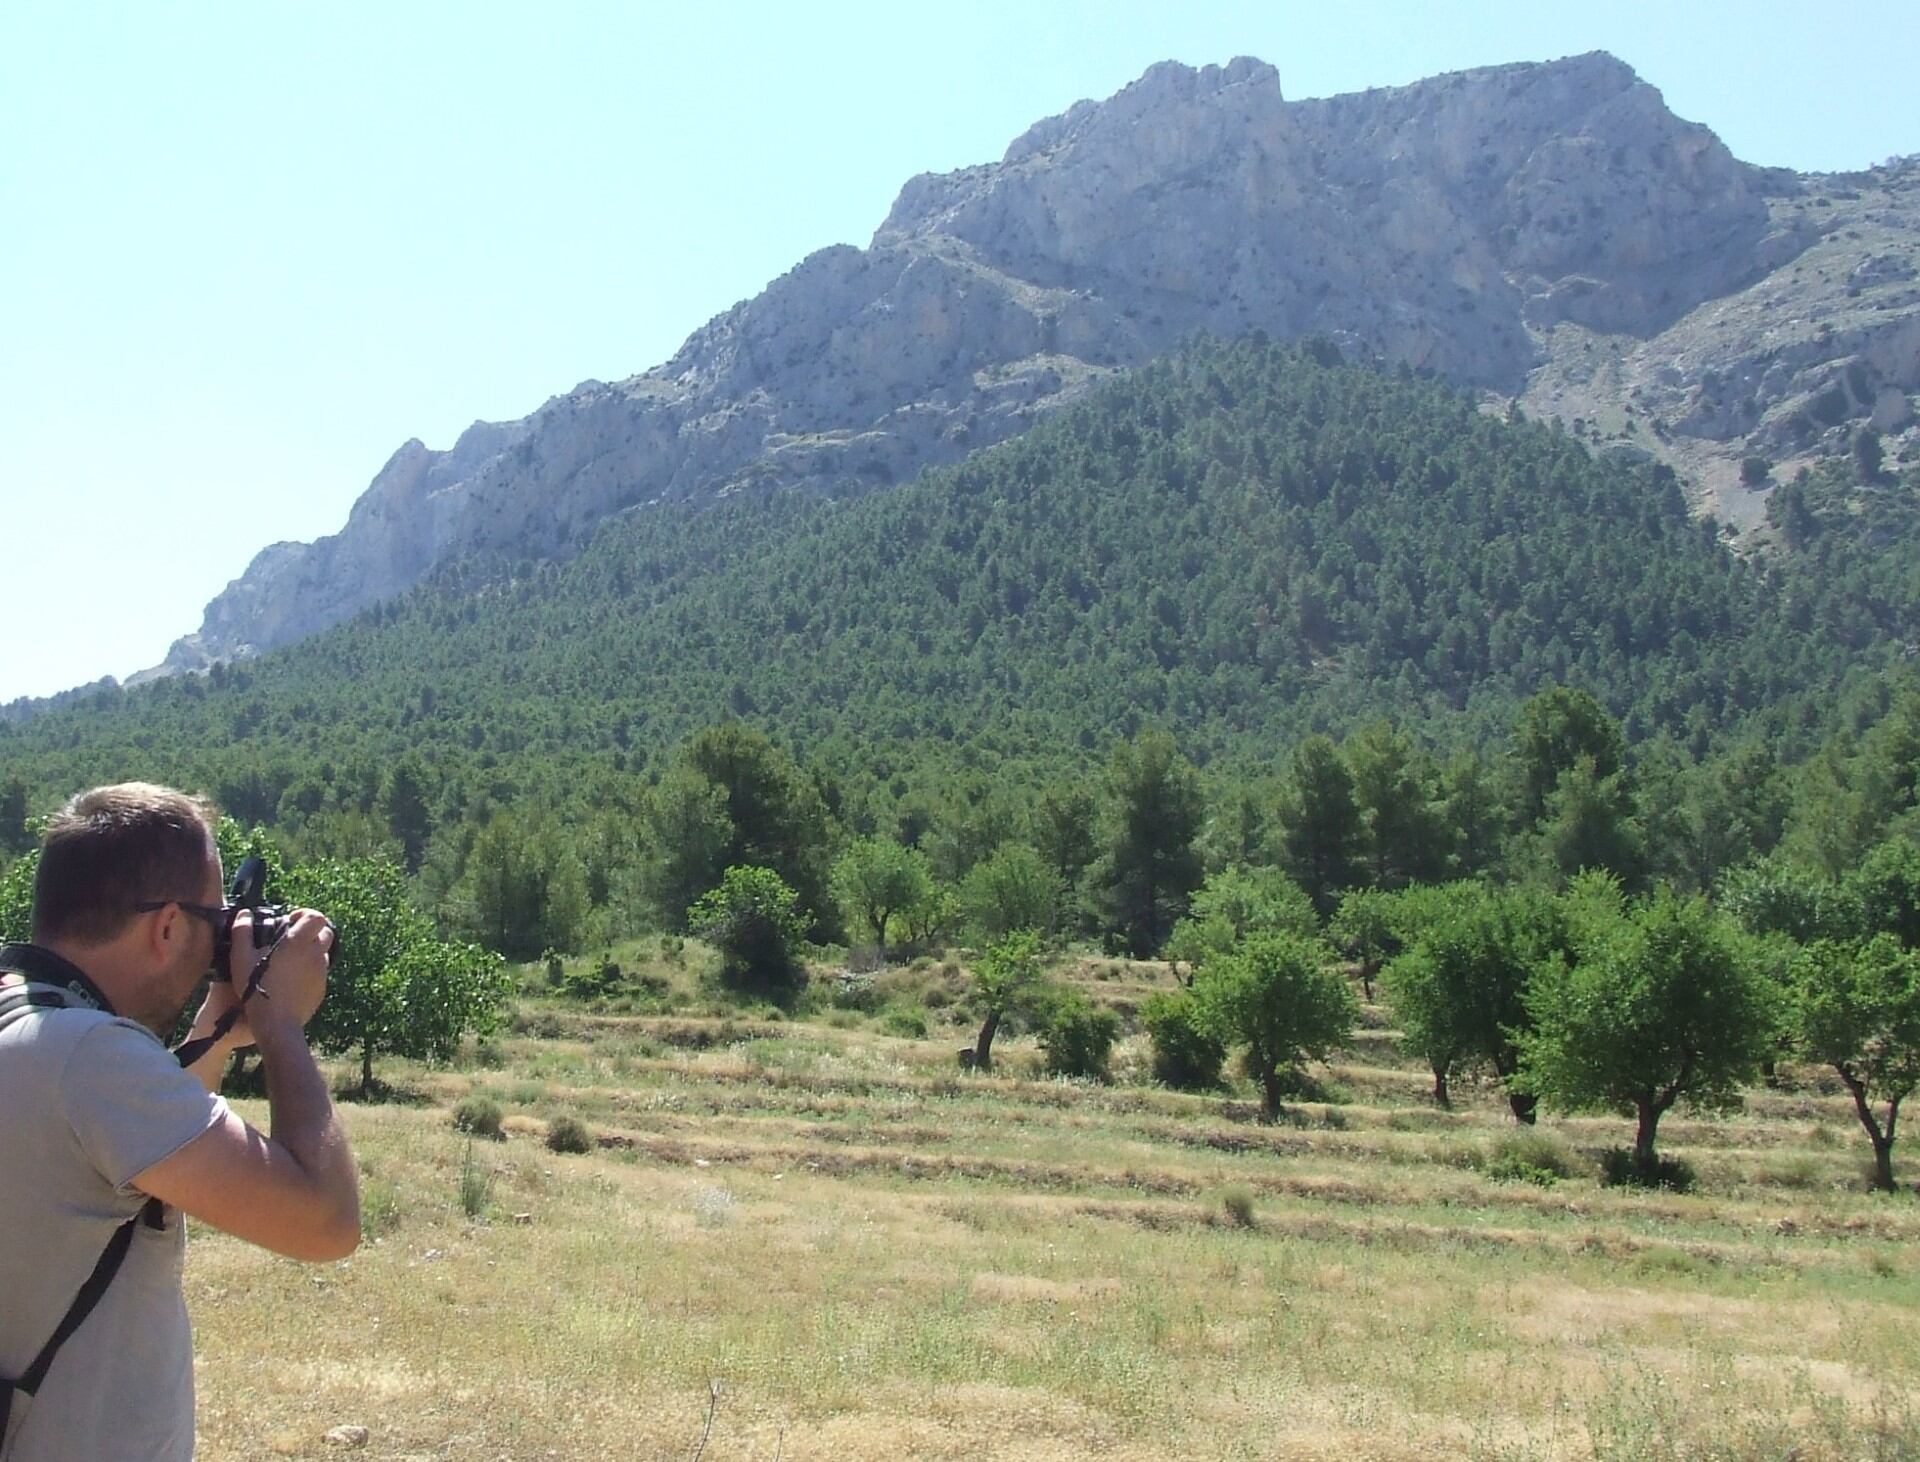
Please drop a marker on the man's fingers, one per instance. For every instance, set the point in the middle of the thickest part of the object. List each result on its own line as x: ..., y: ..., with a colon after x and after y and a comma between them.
x: 304, y: 921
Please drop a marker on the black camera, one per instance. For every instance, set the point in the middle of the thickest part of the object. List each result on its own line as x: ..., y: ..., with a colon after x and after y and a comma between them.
x: 249, y: 892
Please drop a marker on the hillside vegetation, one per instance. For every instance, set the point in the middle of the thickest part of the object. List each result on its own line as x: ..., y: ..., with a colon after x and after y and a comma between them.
x: 1243, y: 544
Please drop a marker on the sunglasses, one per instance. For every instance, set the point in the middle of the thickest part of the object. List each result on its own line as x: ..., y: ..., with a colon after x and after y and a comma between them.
x: 213, y: 915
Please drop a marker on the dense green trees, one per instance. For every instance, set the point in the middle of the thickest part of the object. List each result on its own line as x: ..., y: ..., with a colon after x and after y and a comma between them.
x: 1243, y: 544
x: 775, y: 817
x: 1187, y: 1054
x: 1011, y: 889
x: 1236, y: 903
x: 1560, y: 731
x: 523, y: 888
x: 1322, y: 841
x: 15, y: 836
x: 684, y: 835
x: 404, y: 807
x: 1076, y: 1035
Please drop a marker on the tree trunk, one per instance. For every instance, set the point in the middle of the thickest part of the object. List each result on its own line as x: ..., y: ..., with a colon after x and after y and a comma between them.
x: 1882, y: 1139
x: 880, y: 933
x: 1270, y: 1092
x: 983, y: 1048
x: 1441, y: 1097
x: 1524, y: 1106
x: 366, y: 1068
x: 1883, y: 1165
x: 1643, y: 1154
x: 1368, y: 969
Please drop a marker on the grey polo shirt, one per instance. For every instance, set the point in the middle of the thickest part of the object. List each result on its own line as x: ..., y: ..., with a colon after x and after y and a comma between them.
x: 87, y: 1102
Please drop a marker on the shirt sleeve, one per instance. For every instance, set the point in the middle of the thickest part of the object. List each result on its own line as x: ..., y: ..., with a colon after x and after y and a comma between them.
x: 130, y: 1103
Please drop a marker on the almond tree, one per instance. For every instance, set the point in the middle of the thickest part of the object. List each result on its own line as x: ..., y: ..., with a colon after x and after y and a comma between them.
x: 1856, y: 1007
x: 1661, y: 1003
x: 1007, y: 976
x: 1275, y: 995
x: 876, y: 879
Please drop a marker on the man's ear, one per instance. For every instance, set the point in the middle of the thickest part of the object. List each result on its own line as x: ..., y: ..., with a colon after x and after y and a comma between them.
x: 163, y: 931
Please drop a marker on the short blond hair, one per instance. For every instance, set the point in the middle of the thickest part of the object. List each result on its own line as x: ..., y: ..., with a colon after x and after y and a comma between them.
x: 112, y: 848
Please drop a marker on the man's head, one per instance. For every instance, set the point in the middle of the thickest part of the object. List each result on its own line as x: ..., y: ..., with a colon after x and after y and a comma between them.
x: 126, y: 877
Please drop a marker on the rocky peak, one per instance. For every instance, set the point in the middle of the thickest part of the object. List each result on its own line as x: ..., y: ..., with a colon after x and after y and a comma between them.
x: 1507, y: 226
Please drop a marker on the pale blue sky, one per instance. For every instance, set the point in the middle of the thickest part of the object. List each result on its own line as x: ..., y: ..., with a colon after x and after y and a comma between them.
x: 250, y: 249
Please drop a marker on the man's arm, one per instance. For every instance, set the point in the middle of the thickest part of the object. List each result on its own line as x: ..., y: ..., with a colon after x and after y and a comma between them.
x: 295, y: 1191
x: 211, y: 1068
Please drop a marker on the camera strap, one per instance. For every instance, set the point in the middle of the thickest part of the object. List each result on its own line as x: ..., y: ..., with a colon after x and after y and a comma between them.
x: 188, y: 1052
x: 19, y: 995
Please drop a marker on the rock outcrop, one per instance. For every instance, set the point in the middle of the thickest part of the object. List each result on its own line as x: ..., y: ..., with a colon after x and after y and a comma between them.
x: 1515, y: 228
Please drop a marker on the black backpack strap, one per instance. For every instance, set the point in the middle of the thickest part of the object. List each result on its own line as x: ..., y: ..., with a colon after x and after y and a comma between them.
x: 15, y: 999
x: 104, y: 1268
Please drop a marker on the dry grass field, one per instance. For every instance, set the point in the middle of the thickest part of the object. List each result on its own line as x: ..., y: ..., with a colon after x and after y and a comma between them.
x: 836, y: 1245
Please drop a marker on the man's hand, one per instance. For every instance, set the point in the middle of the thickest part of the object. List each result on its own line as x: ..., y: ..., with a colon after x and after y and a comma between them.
x: 296, y: 979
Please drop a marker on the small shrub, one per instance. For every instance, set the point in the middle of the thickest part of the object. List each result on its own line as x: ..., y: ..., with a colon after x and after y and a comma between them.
x: 594, y: 981
x: 1619, y: 1170
x: 1236, y: 1206
x: 476, y: 1185
x: 904, y: 1020
x: 1185, y: 1056
x: 1531, y: 1156
x: 1077, y: 1037
x: 855, y: 990
x: 569, y: 1134
x: 478, y: 1116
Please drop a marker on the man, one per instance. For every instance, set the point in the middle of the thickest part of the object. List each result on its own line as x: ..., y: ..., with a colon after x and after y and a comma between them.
x: 97, y: 1118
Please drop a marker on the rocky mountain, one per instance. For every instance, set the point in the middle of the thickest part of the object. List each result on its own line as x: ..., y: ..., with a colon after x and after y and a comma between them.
x: 1550, y: 233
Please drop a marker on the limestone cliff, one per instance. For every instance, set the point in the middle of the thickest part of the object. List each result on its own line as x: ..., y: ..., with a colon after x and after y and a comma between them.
x: 1540, y: 230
